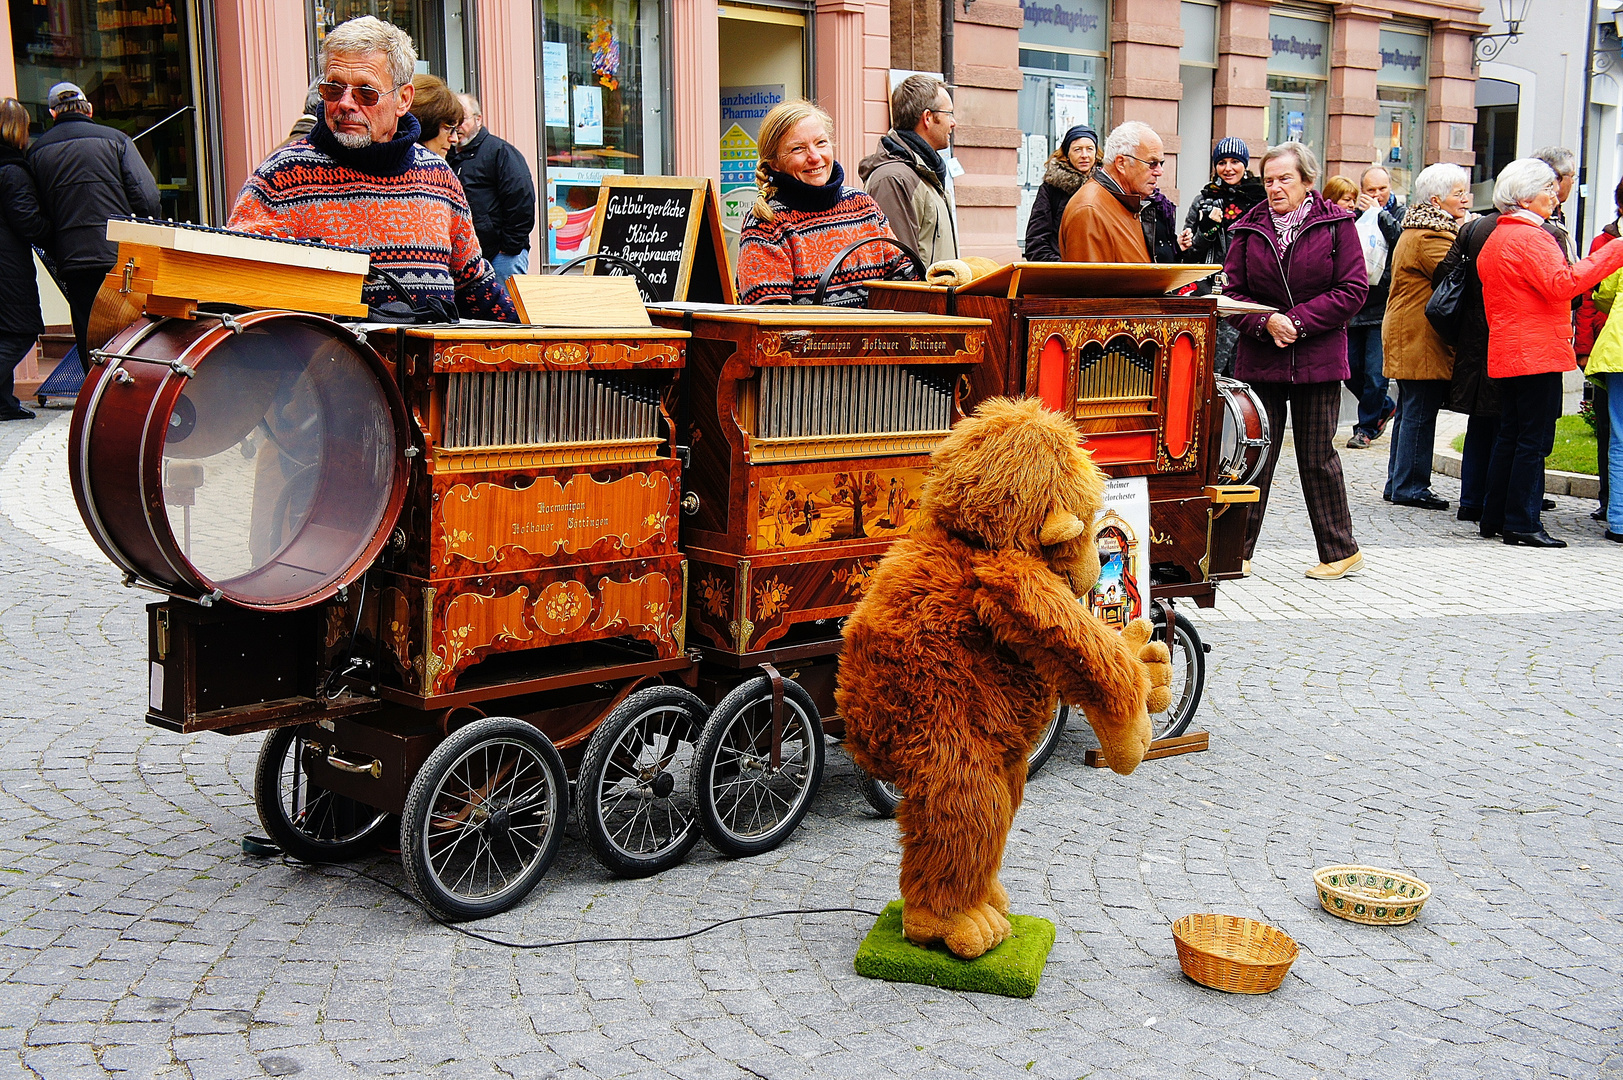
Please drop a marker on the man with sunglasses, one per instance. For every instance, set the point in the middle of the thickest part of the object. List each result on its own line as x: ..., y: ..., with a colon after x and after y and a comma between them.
x: 360, y: 180
x: 1108, y: 221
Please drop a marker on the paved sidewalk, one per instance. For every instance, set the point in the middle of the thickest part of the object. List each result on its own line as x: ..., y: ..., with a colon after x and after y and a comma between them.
x: 1453, y: 711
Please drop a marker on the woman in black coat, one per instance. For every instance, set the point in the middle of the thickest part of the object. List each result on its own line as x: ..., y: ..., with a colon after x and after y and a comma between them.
x: 22, y: 225
x: 1068, y: 169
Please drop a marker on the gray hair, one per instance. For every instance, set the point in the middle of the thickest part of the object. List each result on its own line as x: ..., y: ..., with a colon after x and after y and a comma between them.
x: 1438, y: 181
x: 1373, y: 168
x: 1558, y: 158
x: 372, y: 35
x: 1306, y: 164
x: 1522, y: 179
x: 1126, y: 139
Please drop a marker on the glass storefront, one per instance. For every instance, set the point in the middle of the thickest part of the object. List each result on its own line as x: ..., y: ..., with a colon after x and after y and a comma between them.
x: 601, y: 104
x: 133, y: 60
x: 1400, y: 122
x: 1063, y: 46
x: 439, y: 29
x: 1197, y: 70
x: 1298, y: 72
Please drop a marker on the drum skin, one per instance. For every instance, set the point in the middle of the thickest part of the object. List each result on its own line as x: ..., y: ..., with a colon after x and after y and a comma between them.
x: 1241, y: 462
x: 116, y: 446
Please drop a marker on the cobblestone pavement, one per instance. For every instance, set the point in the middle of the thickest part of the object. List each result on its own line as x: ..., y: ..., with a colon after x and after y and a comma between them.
x: 1453, y: 712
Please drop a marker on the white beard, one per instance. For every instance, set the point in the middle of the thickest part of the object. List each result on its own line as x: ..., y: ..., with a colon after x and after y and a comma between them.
x: 358, y: 141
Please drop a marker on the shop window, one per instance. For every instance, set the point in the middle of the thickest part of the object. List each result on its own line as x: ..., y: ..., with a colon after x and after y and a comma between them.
x: 1400, y: 120
x: 601, y: 108
x: 133, y: 60
x: 1498, y: 111
x: 1298, y: 70
x: 439, y: 30
x: 1063, y: 45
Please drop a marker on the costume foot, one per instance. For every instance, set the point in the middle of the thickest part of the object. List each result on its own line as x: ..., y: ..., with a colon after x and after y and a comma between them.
x: 968, y: 933
x: 998, y: 897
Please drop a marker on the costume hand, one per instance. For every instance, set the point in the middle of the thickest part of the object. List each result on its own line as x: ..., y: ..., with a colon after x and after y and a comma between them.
x: 1156, y: 660
x: 1186, y: 240
x: 1281, y: 329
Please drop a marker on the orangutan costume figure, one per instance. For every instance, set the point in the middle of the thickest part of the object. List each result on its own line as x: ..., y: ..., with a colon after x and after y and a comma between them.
x: 969, y: 631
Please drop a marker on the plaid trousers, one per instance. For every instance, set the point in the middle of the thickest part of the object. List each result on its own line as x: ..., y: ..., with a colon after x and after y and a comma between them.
x: 1315, y: 410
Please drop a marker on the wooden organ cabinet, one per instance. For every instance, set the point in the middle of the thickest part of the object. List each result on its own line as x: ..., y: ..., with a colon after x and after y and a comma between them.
x: 542, y: 513
x: 810, y: 432
x: 1133, y: 368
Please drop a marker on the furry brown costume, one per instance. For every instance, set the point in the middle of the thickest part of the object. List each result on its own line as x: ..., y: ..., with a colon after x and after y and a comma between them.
x: 969, y: 630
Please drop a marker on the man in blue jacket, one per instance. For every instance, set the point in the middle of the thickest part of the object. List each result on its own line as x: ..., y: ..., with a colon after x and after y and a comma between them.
x: 86, y: 173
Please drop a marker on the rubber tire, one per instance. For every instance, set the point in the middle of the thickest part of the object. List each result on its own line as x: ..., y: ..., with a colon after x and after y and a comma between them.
x: 1188, y: 676
x: 751, y: 703
x: 428, y: 789
x: 635, y: 710
x: 345, y: 828
x: 884, y: 796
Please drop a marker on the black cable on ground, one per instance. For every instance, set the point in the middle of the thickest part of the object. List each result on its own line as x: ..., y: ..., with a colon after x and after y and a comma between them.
x: 464, y: 931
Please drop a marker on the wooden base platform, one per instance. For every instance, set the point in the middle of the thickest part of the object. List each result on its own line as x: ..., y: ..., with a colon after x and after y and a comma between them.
x: 1192, y: 743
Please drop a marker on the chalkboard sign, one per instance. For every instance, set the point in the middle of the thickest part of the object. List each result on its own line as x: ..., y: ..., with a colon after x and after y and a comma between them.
x: 670, y: 228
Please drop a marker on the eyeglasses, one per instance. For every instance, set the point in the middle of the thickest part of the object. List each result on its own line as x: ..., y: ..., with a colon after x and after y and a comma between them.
x: 1156, y: 165
x: 940, y: 112
x: 368, y: 96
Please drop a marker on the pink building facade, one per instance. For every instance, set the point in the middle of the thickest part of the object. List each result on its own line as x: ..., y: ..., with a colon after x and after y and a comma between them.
x: 590, y: 88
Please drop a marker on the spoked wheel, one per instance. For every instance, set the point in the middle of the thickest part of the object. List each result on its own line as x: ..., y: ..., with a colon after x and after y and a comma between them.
x: 1188, y: 677
x: 309, y: 822
x: 884, y: 796
x: 634, y: 792
x: 484, y: 818
x: 746, y: 804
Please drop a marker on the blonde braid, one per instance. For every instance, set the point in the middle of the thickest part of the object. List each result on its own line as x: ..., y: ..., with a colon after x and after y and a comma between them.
x: 763, y: 202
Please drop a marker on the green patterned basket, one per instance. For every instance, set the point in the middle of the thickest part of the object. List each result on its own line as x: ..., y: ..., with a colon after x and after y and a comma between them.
x: 1370, y: 895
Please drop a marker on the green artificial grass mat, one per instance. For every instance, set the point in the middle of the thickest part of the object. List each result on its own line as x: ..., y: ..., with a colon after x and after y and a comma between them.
x: 1575, y: 447
x: 1013, y: 969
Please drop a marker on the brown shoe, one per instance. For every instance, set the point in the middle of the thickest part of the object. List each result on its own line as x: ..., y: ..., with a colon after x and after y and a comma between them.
x: 1330, y: 571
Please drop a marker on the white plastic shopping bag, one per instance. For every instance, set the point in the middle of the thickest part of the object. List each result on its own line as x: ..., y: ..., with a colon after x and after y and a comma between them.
x: 1373, y: 242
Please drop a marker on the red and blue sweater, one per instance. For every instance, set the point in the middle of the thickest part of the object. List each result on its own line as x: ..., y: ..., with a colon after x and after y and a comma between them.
x: 396, y: 201
x: 780, y: 261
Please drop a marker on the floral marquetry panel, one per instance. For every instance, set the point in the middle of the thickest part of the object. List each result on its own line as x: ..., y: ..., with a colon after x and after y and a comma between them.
x: 517, y: 355
x: 742, y: 605
x: 553, y: 520
x: 433, y: 631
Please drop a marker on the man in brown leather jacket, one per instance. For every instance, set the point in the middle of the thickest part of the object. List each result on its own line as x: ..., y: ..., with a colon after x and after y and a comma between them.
x: 1104, y: 221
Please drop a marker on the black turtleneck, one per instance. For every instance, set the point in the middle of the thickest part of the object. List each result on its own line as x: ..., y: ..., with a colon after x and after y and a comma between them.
x: 380, y: 159
x: 805, y: 198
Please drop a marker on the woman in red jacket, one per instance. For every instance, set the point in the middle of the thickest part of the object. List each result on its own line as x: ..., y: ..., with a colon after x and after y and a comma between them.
x: 1527, y: 292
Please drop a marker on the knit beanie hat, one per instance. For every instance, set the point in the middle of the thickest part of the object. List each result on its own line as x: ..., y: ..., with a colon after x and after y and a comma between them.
x: 1231, y: 147
x: 1080, y: 131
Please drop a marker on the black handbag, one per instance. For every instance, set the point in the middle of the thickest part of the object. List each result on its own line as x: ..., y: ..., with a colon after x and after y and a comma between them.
x: 1444, y: 310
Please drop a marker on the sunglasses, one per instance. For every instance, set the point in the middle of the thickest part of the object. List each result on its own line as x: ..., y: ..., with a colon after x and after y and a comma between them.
x: 364, y: 95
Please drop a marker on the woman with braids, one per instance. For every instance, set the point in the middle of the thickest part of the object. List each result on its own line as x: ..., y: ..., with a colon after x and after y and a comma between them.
x: 805, y: 216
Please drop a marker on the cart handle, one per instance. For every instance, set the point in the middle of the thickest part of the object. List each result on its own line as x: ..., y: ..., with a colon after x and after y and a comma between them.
x: 833, y: 267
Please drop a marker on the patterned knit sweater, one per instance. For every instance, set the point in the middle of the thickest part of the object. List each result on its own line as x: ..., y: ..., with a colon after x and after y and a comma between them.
x: 780, y: 261
x: 396, y: 201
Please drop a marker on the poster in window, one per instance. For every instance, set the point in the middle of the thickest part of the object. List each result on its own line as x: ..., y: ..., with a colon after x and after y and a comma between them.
x: 1070, y: 109
x: 555, y: 82
x: 1122, y: 534
x: 1295, y: 124
x: 588, y: 115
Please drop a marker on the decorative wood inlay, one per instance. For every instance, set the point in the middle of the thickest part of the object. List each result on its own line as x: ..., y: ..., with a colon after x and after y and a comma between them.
x: 644, y: 602
x: 563, y: 607
x: 474, y: 622
x: 482, y: 521
x: 394, y: 625
x: 551, y: 456
x: 818, y: 508
x: 478, y: 355
x: 879, y: 345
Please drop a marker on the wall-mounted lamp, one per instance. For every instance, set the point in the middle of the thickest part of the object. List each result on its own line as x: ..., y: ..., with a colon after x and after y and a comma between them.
x: 1487, y: 46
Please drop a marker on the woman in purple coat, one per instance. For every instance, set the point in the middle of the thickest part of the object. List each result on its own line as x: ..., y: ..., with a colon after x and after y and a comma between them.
x: 1299, y: 254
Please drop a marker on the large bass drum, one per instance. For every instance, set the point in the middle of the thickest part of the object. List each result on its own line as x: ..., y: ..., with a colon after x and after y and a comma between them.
x: 1244, y: 443
x: 260, y: 459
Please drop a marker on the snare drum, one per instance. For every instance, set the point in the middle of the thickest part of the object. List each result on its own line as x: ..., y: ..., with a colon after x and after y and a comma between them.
x: 1244, y: 444
x: 261, y: 459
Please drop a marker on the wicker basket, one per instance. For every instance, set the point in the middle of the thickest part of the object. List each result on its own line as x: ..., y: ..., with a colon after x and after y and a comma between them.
x: 1227, y: 952
x: 1370, y: 895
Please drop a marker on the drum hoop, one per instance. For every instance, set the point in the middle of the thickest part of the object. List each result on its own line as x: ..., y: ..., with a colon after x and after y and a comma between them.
x: 1231, y: 391
x: 99, y: 530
